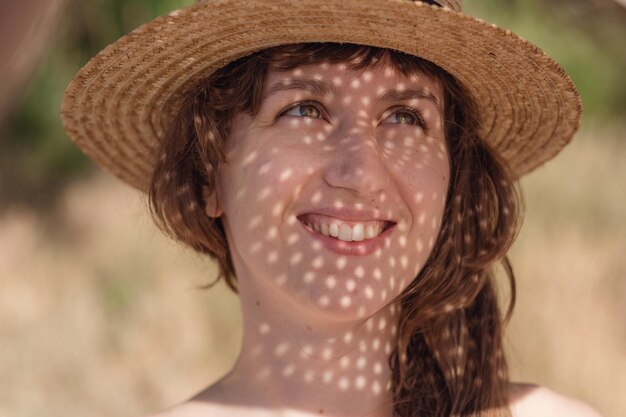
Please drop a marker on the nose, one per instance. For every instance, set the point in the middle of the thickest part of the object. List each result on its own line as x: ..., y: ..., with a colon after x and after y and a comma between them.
x: 357, y: 165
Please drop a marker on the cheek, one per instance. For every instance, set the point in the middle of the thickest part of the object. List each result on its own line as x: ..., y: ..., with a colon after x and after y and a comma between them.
x: 422, y: 173
x: 258, y: 190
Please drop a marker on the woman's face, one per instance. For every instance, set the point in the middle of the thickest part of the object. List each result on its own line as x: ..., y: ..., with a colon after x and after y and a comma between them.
x: 333, y: 194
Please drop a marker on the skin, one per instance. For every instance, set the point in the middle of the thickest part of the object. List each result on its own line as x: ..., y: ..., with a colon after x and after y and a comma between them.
x: 319, y: 325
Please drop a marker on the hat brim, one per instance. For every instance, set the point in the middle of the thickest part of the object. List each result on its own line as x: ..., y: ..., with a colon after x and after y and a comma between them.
x: 119, y: 105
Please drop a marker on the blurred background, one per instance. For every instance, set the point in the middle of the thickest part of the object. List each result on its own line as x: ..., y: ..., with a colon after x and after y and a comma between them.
x: 102, y: 316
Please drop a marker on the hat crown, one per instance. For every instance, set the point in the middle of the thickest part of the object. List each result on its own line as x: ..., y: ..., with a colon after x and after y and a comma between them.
x: 449, y: 4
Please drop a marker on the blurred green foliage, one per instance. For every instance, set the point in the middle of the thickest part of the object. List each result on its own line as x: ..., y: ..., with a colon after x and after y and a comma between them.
x: 37, y: 158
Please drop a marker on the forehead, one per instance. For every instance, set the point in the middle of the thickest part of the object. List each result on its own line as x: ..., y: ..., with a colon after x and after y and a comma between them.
x: 374, y: 79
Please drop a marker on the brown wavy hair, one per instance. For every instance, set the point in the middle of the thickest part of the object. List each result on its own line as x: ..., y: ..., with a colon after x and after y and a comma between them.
x: 448, y: 359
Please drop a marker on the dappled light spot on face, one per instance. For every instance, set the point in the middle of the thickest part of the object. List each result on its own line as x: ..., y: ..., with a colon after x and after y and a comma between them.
x: 328, y: 376
x: 281, y: 280
x: 273, y: 257
x: 289, y: 370
x: 331, y: 282
x: 264, y: 328
x: 344, y: 383
x: 324, y: 301
x: 309, y: 277
x: 296, y: 258
x: 360, y: 382
x: 345, y: 301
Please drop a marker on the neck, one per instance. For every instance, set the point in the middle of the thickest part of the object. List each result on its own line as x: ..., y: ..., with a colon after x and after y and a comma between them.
x: 302, y: 363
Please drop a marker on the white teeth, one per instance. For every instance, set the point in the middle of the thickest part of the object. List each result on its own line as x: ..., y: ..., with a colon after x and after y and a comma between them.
x: 347, y: 233
x: 358, y: 232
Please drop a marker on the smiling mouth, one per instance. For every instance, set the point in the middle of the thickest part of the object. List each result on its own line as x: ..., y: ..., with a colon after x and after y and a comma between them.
x: 344, y: 230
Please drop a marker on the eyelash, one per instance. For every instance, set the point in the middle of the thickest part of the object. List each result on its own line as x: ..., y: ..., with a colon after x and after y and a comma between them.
x: 405, y: 109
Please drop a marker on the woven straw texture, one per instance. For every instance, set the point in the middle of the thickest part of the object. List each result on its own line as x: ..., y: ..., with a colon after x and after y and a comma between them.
x: 119, y: 105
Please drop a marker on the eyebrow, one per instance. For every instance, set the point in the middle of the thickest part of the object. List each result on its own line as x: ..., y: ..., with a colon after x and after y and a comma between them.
x: 317, y: 87
x: 322, y: 88
x: 408, y: 94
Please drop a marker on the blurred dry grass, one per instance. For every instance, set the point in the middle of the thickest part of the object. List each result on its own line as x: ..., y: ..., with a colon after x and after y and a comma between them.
x: 100, y: 315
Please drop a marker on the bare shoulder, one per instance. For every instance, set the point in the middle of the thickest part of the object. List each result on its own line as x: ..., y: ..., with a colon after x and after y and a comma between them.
x: 530, y: 400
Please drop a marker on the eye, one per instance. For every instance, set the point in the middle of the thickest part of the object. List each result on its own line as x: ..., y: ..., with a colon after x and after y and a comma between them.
x: 304, y: 109
x: 406, y: 116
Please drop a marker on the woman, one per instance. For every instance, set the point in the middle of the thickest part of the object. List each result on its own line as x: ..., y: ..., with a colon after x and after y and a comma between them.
x: 351, y: 166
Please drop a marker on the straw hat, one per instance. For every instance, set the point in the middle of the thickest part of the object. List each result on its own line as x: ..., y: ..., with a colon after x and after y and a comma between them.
x: 119, y: 105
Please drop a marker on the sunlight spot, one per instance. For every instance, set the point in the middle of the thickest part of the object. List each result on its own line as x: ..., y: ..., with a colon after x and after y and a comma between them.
x: 420, y: 244
x: 324, y: 301
x: 362, y: 348
x: 359, y: 271
x: 318, y: 262
x: 421, y: 219
x: 355, y: 84
x: 272, y: 257
x: 359, y: 383
x: 328, y: 376
x: 289, y: 370
x: 317, y: 197
x: 409, y: 141
x: 361, y: 362
x: 382, y: 323
x: 296, y: 258
x: 377, y: 274
x: 278, y: 207
x: 345, y: 301
x: 327, y: 353
x: 281, y: 349
x: 271, y: 234
x: 402, y: 241
x: 341, y: 263
x: 281, y: 280
x: 344, y: 384
x: 309, y: 277
x: 250, y: 158
x: 404, y: 261
x: 331, y: 282
x: 337, y: 81
x: 378, y: 368
x: 256, y: 247
x: 350, y: 285
x: 309, y: 375
x: 286, y: 174
x: 375, y: 346
x: 293, y: 238
x: 256, y: 221
x: 265, y: 168
x: 376, y: 389
x: 344, y: 362
x: 383, y: 294
x: 264, y: 328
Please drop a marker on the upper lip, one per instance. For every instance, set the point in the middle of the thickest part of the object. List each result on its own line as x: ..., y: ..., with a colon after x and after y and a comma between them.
x: 349, y: 214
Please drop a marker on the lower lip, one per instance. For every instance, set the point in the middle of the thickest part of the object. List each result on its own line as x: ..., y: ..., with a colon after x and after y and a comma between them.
x: 354, y: 248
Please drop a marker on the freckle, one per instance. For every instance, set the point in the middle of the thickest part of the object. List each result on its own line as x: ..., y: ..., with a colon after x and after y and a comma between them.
x: 258, y: 304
